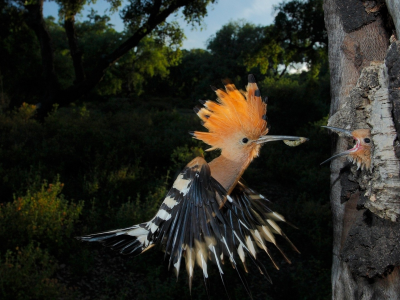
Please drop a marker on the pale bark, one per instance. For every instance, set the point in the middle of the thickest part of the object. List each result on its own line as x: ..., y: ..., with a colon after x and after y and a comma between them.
x: 383, y: 190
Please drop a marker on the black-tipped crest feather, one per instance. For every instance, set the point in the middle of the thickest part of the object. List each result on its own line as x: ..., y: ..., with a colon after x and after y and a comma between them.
x: 251, y: 78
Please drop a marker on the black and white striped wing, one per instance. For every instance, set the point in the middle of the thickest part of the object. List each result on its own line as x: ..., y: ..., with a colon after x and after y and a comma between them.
x: 191, y: 225
x: 198, y: 223
x: 257, y: 222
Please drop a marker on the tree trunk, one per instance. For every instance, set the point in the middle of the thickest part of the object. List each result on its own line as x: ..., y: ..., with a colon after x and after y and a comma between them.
x: 365, y: 90
x: 76, y: 54
x: 34, y: 19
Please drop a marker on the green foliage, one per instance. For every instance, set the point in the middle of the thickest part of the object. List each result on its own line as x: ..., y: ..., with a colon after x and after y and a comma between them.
x: 141, y: 210
x: 298, y: 35
x: 256, y: 57
x: 294, y: 101
x: 62, y: 57
x: 183, y: 155
x: 227, y: 57
x: 42, y: 215
x: 154, y: 55
x: 98, y: 153
x: 231, y: 45
x: 137, y: 12
x: 24, y: 113
x: 301, y: 26
x: 19, y: 57
x: 240, y: 47
x: 26, y: 273
x: 149, y: 59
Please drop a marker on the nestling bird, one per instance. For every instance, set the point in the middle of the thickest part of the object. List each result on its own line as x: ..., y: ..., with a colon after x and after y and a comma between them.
x: 360, y: 154
x: 210, y: 214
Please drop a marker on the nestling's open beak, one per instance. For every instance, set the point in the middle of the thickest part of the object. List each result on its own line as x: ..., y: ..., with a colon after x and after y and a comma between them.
x: 287, y: 139
x: 347, y: 152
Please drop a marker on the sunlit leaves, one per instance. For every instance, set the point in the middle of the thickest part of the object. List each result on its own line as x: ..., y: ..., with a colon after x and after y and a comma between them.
x: 42, y: 215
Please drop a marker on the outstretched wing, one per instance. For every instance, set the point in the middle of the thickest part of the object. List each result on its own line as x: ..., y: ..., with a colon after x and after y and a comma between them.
x: 190, y: 224
x: 257, y: 222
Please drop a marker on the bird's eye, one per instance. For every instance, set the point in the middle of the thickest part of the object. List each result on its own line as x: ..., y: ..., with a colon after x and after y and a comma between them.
x: 367, y: 140
x: 245, y: 140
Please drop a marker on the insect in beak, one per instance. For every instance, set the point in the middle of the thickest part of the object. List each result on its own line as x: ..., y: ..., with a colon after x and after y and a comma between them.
x: 291, y: 141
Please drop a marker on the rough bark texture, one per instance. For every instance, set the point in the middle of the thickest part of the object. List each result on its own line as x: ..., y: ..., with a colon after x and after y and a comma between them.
x: 366, y: 250
x: 368, y: 236
x: 393, y: 66
x: 353, y: 16
x: 383, y: 189
x: 368, y: 106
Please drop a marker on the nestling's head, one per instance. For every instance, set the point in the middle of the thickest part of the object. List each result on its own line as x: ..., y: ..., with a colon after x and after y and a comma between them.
x: 237, y: 123
x: 360, y: 154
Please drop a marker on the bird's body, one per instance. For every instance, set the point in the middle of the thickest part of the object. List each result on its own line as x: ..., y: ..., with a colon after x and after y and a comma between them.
x: 210, y: 214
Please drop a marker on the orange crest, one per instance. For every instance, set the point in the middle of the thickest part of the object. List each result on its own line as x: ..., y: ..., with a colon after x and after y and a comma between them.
x: 236, y: 113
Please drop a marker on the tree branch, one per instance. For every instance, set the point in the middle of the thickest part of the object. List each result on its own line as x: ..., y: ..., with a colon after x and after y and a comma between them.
x: 76, y: 91
x: 283, y: 72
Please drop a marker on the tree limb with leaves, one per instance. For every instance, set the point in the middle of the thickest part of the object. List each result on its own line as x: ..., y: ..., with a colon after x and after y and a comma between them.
x: 142, y: 17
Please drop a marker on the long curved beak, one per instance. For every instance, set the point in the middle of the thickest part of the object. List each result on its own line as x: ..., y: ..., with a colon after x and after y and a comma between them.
x: 347, y: 152
x: 293, y: 140
x: 346, y: 132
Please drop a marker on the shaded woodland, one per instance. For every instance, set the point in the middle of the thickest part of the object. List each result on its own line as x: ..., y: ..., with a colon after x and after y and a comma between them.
x: 94, y: 128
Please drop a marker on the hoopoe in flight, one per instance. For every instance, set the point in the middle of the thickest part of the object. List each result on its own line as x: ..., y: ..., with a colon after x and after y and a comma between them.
x: 210, y: 214
x: 360, y: 154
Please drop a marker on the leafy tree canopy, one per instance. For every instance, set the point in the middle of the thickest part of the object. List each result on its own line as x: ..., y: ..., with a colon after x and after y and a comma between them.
x: 144, y: 19
x: 91, y: 56
x: 240, y: 47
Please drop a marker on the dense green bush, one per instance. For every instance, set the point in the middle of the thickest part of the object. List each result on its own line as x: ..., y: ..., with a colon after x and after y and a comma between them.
x: 43, y: 216
x: 109, y: 151
x: 27, y: 273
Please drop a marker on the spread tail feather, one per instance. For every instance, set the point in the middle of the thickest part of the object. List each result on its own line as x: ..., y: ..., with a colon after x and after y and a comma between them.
x: 132, y: 240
